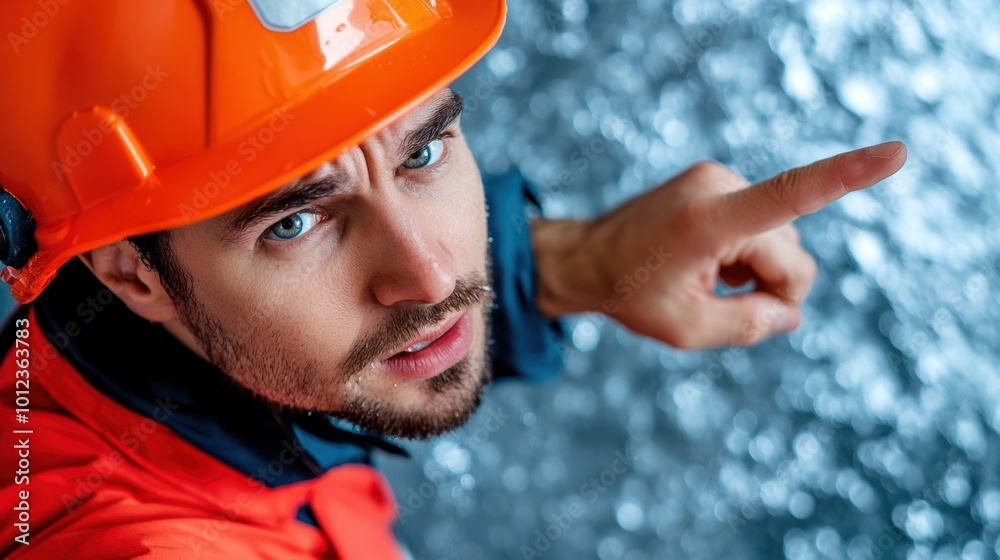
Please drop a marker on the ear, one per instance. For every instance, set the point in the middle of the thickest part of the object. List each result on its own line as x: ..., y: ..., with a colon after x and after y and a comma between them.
x: 119, y: 267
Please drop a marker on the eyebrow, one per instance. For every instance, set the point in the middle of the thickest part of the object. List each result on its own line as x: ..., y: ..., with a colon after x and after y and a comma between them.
x: 306, y: 190
x: 299, y: 193
x: 443, y: 116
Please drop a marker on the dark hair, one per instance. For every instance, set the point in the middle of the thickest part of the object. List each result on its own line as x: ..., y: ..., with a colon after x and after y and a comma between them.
x: 156, y: 253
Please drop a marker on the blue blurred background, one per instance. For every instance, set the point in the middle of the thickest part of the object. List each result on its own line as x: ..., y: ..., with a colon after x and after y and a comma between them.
x: 871, y: 431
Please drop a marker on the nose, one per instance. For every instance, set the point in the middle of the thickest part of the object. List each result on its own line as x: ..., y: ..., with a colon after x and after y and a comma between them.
x: 413, y: 264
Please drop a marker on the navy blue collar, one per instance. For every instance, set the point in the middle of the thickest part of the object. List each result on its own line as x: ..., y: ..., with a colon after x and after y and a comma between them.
x: 143, y: 367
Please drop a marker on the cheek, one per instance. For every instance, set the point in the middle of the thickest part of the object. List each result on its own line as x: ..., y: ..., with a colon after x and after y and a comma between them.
x: 466, y: 210
x: 300, y: 308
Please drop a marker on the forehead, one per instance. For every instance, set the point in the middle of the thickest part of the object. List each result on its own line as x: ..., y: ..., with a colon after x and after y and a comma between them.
x: 401, y: 126
x: 394, y: 134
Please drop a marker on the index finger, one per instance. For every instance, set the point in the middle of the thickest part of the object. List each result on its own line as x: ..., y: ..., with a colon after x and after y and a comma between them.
x: 804, y: 190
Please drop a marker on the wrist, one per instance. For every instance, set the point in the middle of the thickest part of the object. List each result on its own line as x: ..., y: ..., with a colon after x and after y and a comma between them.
x: 568, y: 280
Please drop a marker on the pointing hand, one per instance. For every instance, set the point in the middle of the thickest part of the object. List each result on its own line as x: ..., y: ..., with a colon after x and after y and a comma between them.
x: 652, y: 263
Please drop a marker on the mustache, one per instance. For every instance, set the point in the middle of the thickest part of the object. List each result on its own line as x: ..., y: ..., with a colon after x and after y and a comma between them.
x: 407, y: 323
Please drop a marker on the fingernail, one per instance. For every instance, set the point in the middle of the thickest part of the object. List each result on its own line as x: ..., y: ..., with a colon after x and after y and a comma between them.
x: 887, y: 150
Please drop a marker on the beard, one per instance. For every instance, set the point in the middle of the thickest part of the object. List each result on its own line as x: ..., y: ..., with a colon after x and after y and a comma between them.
x: 452, y: 396
x: 258, y: 357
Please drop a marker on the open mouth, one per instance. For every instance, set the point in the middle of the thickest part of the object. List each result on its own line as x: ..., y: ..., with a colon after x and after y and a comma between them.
x: 435, y: 352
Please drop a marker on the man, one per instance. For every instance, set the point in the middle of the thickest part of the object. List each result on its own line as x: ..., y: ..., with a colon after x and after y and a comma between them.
x: 283, y: 254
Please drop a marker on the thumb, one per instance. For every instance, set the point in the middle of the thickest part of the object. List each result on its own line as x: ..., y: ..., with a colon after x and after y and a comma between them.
x: 747, y: 319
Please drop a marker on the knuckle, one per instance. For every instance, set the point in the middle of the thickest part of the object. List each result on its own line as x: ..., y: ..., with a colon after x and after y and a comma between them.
x: 786, y: 291
x: 693, y: 219
x: 783, y: 187
x: 691, y: 210
x: 706, y: 178
x: 704, y: 169
x: 708, y: 175
x: 731, y: 181
x: 837, y: 165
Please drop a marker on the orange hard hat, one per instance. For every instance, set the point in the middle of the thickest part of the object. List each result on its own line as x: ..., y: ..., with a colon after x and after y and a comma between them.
x: 122, y: 118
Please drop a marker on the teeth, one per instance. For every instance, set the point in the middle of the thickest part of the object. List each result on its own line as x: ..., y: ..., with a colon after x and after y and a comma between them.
x: 419, y: 346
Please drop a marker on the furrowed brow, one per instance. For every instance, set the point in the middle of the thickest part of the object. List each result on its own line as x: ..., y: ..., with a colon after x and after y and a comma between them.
x: 296, y: 195
x: 444, y: 115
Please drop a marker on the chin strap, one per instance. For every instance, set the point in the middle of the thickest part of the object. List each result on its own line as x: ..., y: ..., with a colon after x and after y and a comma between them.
x: 17, y: 237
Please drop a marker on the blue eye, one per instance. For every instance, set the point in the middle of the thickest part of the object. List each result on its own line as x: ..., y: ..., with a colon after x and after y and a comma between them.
x: 428, y: 155
x: 293, y: 225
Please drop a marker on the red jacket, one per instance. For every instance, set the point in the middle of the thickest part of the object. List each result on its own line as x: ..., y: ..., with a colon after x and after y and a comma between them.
x: 114, y: 472
x: 105, y: 482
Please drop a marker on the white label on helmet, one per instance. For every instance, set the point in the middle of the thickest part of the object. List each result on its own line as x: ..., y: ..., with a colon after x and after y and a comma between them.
x: 289, y: 15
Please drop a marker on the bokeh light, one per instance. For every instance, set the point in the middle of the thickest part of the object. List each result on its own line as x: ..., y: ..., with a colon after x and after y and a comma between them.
x: 872, y: 430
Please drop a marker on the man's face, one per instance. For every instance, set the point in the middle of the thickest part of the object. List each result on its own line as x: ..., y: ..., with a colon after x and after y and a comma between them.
x: 310, y: 296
